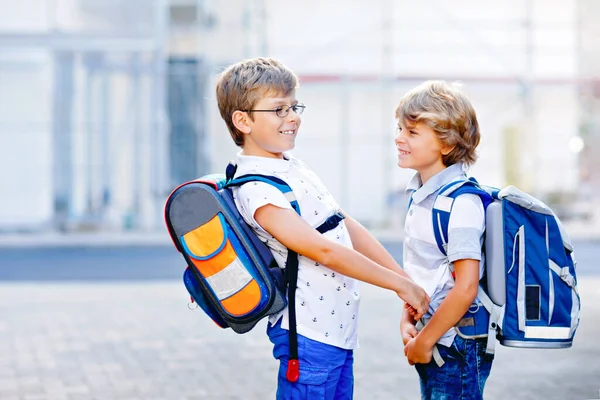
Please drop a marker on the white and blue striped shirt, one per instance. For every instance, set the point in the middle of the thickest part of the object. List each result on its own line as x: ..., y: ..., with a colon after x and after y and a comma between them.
x: 423, y: 261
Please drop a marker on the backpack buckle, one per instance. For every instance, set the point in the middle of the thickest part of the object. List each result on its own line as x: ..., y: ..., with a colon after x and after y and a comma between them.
x: 331, y: 222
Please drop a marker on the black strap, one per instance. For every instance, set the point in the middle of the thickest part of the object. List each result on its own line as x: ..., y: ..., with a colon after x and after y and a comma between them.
x: 291, y: 277
x: 291, y: 272
x: 331, y: 222
x: 230, y: 171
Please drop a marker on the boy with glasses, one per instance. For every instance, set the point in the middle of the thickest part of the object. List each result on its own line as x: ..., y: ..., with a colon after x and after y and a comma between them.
x: 257, y: 101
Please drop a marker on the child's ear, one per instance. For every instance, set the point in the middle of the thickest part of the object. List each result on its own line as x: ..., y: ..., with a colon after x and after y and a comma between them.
x: 240, y: 120
x: 447, y: 149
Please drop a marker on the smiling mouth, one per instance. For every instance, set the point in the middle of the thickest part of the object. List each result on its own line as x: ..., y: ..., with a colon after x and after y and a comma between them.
x: 289, y: 133
x: 402, y: 152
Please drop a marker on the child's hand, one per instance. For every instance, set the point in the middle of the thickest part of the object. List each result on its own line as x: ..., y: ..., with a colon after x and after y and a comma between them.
x: 408, y: 332
x: 417, y: 299
x: 417, y: 353
x: 410, y: 309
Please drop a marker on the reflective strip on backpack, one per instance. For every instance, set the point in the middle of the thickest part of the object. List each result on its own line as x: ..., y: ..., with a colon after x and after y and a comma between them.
x: 229, y: 280
x: 574, y: 312
x: 521, y: 280
x: 550, y: 295
x: 547, y: 332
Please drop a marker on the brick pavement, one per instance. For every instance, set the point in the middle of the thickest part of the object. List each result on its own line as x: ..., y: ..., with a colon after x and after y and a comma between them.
x: 130, y: 341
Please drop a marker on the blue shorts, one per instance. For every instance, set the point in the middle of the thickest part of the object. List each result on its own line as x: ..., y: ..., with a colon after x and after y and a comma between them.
x: 325, y: 370
x: 462, y: 377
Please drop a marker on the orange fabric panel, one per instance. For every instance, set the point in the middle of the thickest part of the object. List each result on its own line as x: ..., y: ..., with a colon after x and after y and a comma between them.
x: 217, y: 263
x: 243, y: 301
x: 205, y: 239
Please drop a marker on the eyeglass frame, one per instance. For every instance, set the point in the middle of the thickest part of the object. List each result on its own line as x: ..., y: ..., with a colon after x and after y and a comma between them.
x: 278, y: 109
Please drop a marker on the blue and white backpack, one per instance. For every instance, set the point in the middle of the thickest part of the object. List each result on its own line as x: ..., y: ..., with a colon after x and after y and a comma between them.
x: 529, y: 294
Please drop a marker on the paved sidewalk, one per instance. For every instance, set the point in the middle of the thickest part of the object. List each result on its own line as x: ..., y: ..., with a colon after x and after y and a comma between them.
x: 132, y: 341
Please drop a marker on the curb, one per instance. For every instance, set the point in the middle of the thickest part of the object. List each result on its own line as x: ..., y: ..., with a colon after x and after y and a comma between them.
x: 125, y: 239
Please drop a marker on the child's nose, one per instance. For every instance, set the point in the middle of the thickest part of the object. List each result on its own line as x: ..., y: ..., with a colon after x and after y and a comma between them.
x: 293, y: 116
x: 399, y: 137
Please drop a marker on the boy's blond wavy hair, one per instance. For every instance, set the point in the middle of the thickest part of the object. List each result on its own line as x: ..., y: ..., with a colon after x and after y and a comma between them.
x: 446, y: 110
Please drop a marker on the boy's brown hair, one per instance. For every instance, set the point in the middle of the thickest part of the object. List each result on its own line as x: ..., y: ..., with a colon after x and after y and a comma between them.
x: 242, y: 84
x: 447, y: 111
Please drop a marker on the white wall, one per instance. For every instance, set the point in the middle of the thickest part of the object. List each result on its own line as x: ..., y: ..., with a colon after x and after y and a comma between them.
x: 348, y: 128
x: 25, y: 146
x: 25, y: 115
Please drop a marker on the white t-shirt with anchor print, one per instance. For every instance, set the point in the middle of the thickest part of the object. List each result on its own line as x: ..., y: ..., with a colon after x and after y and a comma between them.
x: 326, y: 301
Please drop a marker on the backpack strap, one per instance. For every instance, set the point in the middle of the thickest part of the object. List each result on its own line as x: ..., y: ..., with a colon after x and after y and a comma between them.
x: 271, y: 180
x: 442, y: 206
x: 291, y: 263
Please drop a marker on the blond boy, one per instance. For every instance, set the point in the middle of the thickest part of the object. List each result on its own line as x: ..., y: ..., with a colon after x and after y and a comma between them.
x: 438, y: 134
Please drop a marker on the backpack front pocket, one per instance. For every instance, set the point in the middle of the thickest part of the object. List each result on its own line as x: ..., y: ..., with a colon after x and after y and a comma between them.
x: 221, y: 266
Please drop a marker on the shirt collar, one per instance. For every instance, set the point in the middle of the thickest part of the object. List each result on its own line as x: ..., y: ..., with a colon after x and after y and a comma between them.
x: 246, y: 164
x: 420, y: 192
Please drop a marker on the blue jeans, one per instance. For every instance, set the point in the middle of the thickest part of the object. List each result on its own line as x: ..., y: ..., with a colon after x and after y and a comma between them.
x: 325, y: 370
x: 467, y: 367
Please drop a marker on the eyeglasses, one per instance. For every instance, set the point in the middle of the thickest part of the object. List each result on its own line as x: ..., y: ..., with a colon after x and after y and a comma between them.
x: 283, y: 111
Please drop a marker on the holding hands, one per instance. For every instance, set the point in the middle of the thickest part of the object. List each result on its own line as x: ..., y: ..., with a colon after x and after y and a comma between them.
x: 415, y: 350
x: 416, y: 300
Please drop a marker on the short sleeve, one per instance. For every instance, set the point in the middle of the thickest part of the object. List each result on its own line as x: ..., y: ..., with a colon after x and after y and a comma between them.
x: 254, y: 195
x: 465, y: 228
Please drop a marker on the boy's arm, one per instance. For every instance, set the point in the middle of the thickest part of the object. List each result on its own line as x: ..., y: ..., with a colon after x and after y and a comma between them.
x: 366, y: 244
x: 292, y: 231
x: 452, y: 309
x: 408, y: 329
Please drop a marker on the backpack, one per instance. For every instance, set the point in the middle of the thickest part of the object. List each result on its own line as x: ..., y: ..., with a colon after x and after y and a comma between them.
x: 231, y: 274
x: 529, y: 290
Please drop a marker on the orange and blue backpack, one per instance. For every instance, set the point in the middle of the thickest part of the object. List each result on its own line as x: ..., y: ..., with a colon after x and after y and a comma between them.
x: 231, y: 274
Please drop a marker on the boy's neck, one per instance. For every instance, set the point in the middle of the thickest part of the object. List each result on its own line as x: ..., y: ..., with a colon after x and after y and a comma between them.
x: 428, y: 173
x: 261, y: 153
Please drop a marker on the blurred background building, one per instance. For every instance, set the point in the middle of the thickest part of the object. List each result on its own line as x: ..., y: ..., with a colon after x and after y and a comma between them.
x: 105, y: 106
